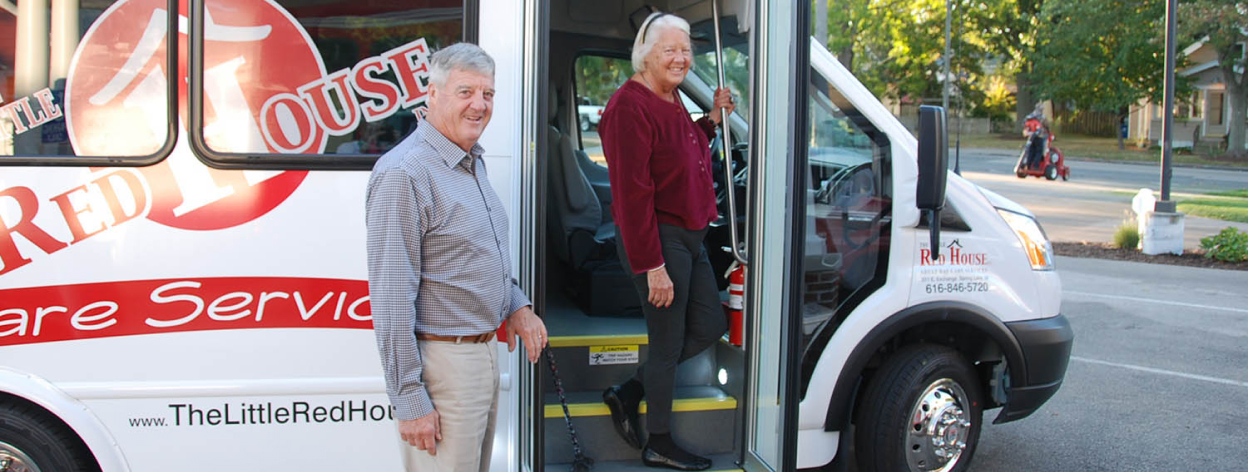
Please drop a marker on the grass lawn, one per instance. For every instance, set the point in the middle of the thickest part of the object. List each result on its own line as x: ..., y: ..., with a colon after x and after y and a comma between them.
x: 1075, y: 146
x: 1226, y: 206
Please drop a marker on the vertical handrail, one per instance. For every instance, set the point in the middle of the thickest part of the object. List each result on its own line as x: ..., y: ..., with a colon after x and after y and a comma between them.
x: 726, y: 148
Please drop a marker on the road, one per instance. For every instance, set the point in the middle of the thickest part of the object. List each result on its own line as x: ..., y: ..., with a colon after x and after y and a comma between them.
x: 1158, y: 377
x: 1097, y: 198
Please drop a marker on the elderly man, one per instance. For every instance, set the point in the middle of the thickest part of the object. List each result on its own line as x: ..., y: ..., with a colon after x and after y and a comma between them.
x: 439, y: 273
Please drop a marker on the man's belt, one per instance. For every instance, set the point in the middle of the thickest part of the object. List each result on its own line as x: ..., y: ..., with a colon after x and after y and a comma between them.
x: 476, y: 338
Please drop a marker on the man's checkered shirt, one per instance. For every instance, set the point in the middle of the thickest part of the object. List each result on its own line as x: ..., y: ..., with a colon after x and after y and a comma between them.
x: 437, y: 256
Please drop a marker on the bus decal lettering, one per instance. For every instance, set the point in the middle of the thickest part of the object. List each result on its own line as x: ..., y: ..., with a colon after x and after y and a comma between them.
x: 141, y: 307
x: 385, y: 95
x: 303, y: 311
x: 221, y: 313
x: 122, y: 191
x: 20, y: 108
x: 27, y: 205
x: 158, y: 297
x: 82, y: 317
x: 321, y: 93
x: 45, y: 311
x: 411, y: 61
x: 290, y: 116
x: 133, y: 183
x: 267, y: 413
x: 73, y: 213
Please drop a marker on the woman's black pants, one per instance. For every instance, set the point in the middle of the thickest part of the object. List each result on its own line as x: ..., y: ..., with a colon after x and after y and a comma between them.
x: 693, y: 322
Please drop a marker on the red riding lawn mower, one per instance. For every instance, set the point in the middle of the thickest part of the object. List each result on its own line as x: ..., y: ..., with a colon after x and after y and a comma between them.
x: 1040, y: 158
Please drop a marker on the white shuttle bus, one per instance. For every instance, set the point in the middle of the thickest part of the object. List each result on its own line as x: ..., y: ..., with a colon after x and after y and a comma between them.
x: 182, y: 259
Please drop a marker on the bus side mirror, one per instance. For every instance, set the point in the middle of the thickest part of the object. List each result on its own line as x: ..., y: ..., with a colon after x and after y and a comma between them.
x: 933, y: 169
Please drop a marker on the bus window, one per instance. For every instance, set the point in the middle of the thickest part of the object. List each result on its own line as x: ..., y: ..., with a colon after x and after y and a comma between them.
x: 736, y: 70
x: 848, y: 207
x: 337, y: 82
x: 105, y: 58
x: 596, y: 79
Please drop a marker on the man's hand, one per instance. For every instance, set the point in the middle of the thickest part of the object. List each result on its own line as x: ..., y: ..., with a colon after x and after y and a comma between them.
x: 531, y: 330
x: 661, y: 291
x: 423, y: 433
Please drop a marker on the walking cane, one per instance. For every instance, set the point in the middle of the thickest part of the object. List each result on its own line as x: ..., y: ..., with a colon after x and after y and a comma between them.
x: 580, y: 462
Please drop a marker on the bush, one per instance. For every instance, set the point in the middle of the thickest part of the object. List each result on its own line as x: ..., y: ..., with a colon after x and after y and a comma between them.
x: 1127, y: 236
x: 1230, y: 245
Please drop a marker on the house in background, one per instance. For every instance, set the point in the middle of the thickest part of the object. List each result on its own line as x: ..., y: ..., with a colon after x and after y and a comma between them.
x: 1201, y: 118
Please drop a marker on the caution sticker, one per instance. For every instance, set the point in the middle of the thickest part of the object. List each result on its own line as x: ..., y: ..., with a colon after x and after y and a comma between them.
x: 608, y: 355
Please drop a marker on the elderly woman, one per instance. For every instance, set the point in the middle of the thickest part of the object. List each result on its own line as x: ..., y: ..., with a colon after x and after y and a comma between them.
x: 663, y: 200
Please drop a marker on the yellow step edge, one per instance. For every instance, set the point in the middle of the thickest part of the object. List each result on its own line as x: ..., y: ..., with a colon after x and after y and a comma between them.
x: 606, y: 340
x: 598, y: 340
x: 683, y: 404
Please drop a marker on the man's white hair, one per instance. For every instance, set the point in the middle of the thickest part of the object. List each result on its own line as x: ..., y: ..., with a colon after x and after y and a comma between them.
x: 655, y: 23
x: 459, y: 56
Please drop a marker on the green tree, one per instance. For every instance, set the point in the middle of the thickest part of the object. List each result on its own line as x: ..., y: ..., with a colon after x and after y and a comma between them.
x: 896, y: 47
x: 1102, y: 56
x: 1222, y: 24
x: 1008, y: 30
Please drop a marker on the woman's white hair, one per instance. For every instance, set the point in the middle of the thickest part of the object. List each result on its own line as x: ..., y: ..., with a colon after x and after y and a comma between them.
x: 655, y: 23
x: 460, y: 56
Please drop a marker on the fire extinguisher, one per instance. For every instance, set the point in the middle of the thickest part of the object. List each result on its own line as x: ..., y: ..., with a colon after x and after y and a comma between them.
x: 736, y: 304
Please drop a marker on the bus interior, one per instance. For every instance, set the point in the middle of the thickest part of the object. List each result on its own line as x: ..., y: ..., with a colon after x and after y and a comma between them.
x: 593, y: 313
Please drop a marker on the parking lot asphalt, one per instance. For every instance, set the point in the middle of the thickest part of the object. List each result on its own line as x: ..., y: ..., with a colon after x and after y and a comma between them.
x: 1158, y: 378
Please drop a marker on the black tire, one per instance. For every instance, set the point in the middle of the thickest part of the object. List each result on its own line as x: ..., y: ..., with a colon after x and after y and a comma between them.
x: 29, y: 433
x: 883, y: 439
x: 1050, y: 172
x: 1020, y: 174
x: 584, y: 123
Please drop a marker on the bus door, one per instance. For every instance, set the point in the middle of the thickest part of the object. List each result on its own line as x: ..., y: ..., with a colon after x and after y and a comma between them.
x: 772, y: 232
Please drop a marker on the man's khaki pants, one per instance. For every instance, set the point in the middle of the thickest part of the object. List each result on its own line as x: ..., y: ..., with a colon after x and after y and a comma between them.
x: 462, y: 381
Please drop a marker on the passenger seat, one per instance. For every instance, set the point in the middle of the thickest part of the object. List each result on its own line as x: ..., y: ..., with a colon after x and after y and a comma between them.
x: 582, y: 235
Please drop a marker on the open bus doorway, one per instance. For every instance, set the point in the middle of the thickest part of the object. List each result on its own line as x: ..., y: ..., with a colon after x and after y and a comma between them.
x: 598, y: 334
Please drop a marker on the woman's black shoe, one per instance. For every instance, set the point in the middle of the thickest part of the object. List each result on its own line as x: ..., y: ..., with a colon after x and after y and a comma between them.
x: 624, y: 415
x: 653, y: 458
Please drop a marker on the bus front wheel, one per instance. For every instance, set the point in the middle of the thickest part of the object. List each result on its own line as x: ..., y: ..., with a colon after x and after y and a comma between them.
x: 34, y: 440
x: 921, y: 411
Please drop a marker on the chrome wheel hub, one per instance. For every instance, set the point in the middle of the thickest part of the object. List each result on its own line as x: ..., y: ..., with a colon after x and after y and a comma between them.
x: 939, y: 425
x: 13, y: 459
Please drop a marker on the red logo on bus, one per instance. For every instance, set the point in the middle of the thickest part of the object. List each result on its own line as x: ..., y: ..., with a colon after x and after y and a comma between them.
x: 116, y: 104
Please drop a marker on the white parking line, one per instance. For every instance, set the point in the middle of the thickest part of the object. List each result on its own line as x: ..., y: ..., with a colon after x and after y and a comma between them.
x: 1172, y: 373
x: 1154, y: 300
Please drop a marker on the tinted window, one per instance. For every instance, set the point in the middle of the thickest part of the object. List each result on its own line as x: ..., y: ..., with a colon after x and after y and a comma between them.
x: 597, y: 78
x: 95, y: 88
x: 848, y: 208
x: 318, y: 77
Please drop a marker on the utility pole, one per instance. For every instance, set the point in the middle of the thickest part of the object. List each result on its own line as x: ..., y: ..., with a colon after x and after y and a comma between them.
x: 944, y: 99
x: 1167, y: 124
x: 1161, y: 230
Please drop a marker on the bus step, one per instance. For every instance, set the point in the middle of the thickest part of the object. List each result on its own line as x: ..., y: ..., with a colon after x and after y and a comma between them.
x: 703, y: 421
x: 720, y: 463
x: 583, y: 369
